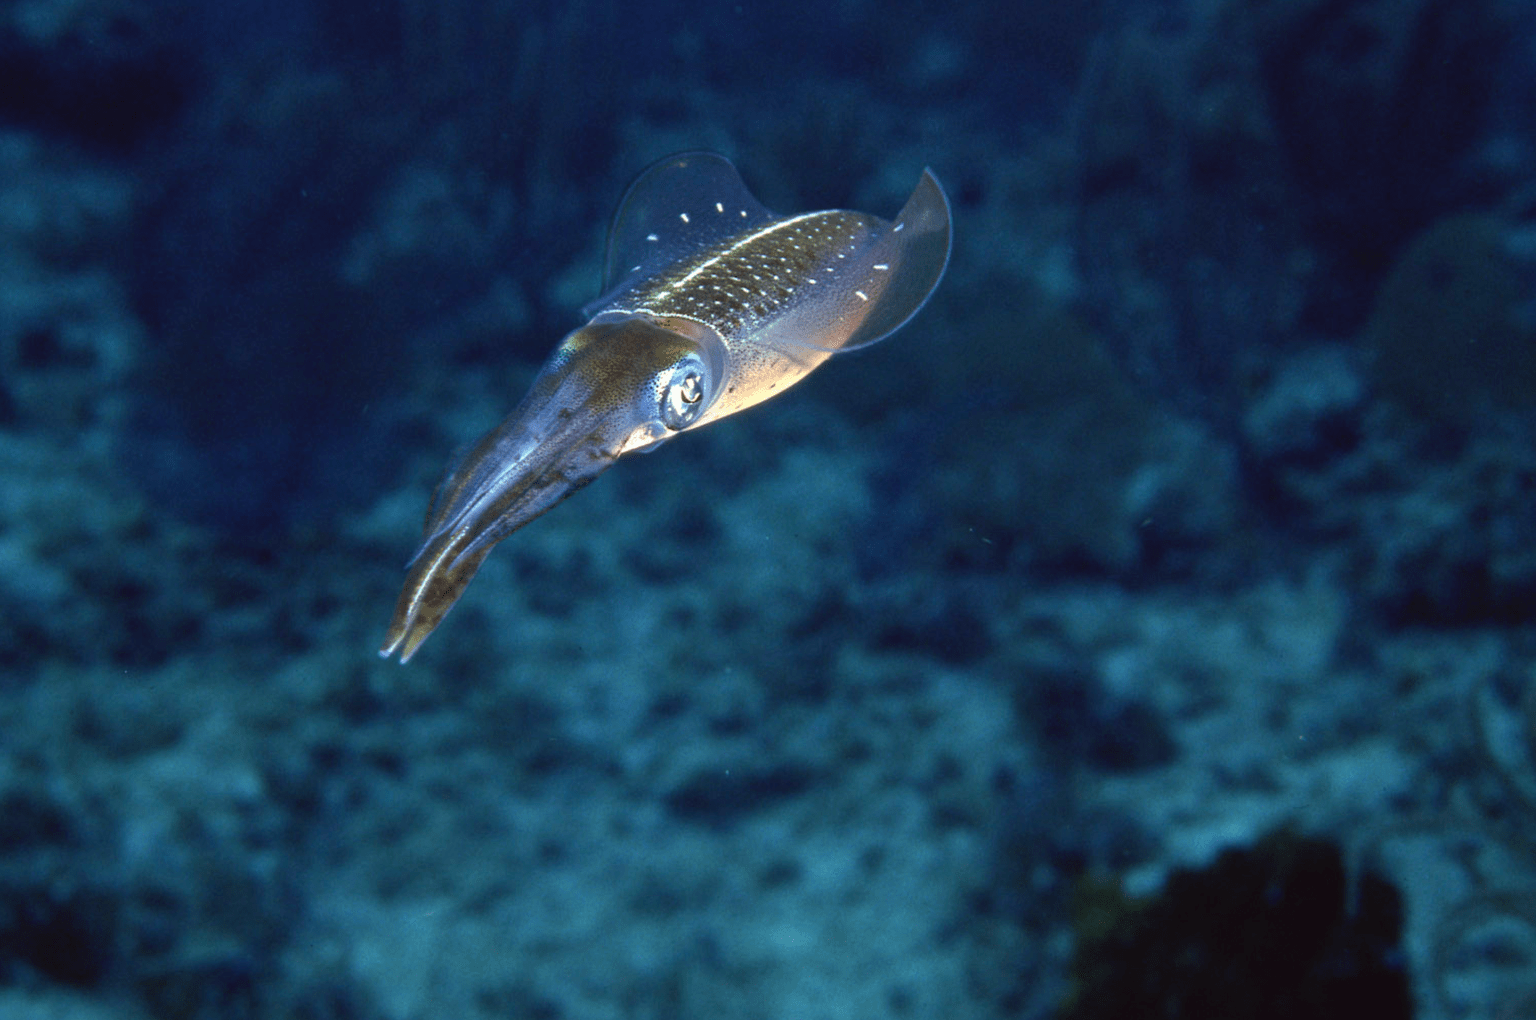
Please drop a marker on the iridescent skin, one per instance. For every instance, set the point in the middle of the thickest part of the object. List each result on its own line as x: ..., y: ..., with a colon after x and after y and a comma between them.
x: 712, y: 304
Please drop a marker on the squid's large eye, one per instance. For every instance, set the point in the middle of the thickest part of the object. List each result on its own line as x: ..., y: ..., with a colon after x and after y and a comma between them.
x: 682, y: 399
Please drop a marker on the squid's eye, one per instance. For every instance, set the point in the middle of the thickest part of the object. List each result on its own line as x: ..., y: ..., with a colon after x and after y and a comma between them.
x: 682, y: 399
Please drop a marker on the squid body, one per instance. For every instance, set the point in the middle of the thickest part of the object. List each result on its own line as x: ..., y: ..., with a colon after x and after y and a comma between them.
x: 711, y: 304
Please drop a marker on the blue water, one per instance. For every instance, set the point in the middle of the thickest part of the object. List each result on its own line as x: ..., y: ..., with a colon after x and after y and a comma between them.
x: 1184, y: 541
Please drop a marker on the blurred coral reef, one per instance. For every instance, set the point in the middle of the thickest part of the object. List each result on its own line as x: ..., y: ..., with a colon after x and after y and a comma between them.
x: 1179, y: 556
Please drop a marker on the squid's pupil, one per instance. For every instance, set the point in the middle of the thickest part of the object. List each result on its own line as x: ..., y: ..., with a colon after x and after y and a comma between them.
x: 684, y: 398
x: 691, y: 388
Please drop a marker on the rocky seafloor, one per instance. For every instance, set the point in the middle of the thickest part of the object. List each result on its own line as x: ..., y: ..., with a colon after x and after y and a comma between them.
x: 1143, y: 631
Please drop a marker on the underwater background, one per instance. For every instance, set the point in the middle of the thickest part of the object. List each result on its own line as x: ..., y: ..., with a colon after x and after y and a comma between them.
x: 1146, y: 630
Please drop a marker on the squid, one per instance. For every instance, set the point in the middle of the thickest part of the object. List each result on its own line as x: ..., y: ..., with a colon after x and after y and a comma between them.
x: 711, y: 304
